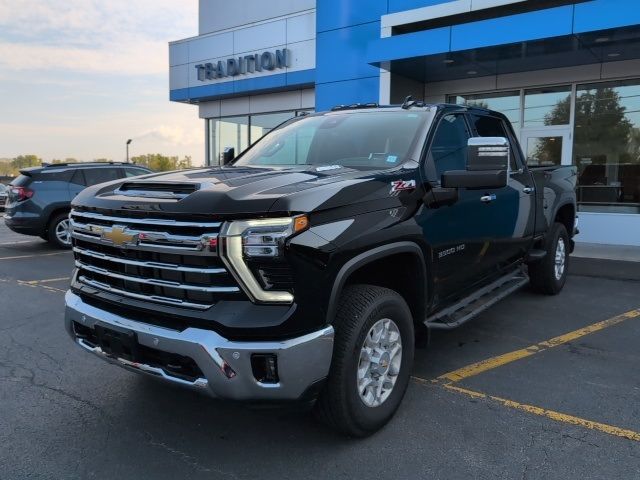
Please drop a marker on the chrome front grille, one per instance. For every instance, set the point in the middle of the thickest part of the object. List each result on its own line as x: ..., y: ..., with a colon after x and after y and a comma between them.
x: 166, y: 261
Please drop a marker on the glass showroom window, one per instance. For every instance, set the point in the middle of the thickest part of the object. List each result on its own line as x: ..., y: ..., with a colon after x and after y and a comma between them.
x: 240, y: 132
x: 263, y: 123
x: 227, y: 132
x: 507, y: 103
x: 606, y: 146
x: 547, y: 106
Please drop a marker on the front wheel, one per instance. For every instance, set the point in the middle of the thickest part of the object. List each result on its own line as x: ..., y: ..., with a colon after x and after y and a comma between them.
x: 372, y: 360
x: 549, y: 275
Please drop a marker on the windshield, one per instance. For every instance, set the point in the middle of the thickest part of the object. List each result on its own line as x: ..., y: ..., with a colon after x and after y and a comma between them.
x: 3, y: 188
x: 375, y: 139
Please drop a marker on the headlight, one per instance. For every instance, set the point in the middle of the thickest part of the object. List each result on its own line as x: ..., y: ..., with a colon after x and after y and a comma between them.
x: 256, y: 239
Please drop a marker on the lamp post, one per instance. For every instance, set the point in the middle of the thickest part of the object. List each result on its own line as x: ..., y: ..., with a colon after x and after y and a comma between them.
x: 128, y: 142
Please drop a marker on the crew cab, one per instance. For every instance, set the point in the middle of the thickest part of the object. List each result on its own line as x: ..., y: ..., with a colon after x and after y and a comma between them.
x: 308, y: 267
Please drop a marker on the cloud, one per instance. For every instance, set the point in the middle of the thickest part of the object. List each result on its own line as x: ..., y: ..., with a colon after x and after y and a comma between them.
x: 138, y: 58
x: 90, y: 36
x: 174, y: 135
x: 79, y: 77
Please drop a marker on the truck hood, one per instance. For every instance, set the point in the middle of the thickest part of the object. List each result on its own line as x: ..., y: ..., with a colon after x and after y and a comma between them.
x: 243, y: 191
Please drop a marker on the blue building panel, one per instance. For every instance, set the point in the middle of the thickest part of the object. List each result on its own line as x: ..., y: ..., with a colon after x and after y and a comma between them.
x: 362, y: 90
x: 341, y: 54
x: 349, y: 48
x: 211, y: 91
x: 552, y: 22
x: 301, y: 77
x: 334, y: 14
x: 605, y: 14
x: 281, y: 81
x: 402, y: 5
x: 179, y: 95
x: 409, y: 45
x: 268, y: 82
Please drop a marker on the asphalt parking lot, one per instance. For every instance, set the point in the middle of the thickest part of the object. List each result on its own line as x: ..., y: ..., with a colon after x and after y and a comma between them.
x: 537, y: 387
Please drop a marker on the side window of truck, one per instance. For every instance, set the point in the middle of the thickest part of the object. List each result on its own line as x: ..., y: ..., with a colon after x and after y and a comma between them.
x: 449, y: 146
x: 494, y: 127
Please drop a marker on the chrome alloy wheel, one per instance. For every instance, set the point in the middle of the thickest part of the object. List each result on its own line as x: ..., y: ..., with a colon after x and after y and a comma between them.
x: 379, y: 364
x: 62, y: 232
x: 561, y: 258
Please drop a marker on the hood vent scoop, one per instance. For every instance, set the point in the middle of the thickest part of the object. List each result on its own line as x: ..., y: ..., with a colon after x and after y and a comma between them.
x: 156, y: 189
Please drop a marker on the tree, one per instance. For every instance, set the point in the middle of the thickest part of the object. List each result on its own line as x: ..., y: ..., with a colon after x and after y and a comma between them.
x: 25, y: 161
x: 185, y: 162
x: 602, y: 128
x: 161, y: 163
x: 66, y: 160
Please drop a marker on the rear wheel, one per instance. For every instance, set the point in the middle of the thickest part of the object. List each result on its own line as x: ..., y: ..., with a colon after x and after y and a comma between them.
x: 549, y: 275
x: 372, y: 360
x: 58, y: 231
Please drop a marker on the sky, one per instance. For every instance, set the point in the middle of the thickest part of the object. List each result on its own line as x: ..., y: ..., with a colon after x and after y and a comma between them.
x: 80, y: 77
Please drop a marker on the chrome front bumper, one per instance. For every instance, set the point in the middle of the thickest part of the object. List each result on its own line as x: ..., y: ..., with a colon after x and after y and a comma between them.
x: 301, y: 361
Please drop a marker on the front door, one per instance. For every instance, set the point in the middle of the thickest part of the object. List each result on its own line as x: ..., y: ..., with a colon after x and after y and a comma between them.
x: 547, y: 146
x: 463, y: 235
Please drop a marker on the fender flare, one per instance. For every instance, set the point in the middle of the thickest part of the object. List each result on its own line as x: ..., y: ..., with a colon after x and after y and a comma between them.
x: 370, y: 256
x: 563, y: 203
x: 54, y: 209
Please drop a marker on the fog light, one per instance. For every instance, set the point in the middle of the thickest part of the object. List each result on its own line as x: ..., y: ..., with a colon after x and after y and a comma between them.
x: 265, y: 367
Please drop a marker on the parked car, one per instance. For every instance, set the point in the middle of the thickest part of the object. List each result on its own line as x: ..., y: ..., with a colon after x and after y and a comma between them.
x: 39, y: 199
x: 3, y: 195
x: 307, y: 268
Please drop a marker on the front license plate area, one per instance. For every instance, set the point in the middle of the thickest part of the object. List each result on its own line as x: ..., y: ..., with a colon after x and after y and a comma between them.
x: 117, y: 342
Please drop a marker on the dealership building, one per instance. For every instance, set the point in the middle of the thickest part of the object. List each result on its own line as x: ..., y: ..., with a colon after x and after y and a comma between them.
x: 565, y: 72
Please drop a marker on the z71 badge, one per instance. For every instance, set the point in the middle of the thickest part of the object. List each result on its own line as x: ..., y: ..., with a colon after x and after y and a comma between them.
x: 398, y: 186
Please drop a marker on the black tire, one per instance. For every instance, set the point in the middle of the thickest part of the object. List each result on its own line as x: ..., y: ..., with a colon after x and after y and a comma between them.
x: 543, y: 273
x: 52, y: 237
x: 339, y: 404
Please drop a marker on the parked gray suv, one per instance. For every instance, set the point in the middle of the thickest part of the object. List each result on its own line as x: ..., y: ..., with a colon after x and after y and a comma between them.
x: 40, y: 198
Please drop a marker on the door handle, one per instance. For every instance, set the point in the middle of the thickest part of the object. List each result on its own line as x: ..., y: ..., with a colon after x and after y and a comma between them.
x: 528, y: 190
x: 488, y: 198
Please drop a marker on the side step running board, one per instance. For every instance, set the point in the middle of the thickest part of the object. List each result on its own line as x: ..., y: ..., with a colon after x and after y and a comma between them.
x: 476, y: 303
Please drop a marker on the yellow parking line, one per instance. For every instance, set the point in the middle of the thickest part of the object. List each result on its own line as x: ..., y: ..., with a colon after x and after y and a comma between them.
x: 553, y: 415
x: 48, y: 280
x: 33, y: 256
x: 500, y: 360
x: 38, y: 285
x: 16, y: 243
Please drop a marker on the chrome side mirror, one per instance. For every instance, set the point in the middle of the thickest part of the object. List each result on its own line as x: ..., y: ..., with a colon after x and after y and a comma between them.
x: 487, y: 154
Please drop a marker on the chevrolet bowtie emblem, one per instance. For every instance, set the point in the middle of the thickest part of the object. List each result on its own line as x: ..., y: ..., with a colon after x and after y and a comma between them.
x: 118, y: 236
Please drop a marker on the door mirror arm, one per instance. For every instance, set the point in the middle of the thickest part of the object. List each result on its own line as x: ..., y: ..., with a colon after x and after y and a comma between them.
x: 437, y: 197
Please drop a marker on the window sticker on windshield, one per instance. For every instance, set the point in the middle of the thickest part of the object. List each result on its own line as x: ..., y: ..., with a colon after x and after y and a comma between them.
x: 392, y: 158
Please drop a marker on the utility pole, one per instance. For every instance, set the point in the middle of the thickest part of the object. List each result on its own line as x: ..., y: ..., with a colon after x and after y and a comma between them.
x: 128, y: 142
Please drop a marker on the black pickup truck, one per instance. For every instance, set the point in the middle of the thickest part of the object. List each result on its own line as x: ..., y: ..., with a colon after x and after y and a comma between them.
x: 310, y: 266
